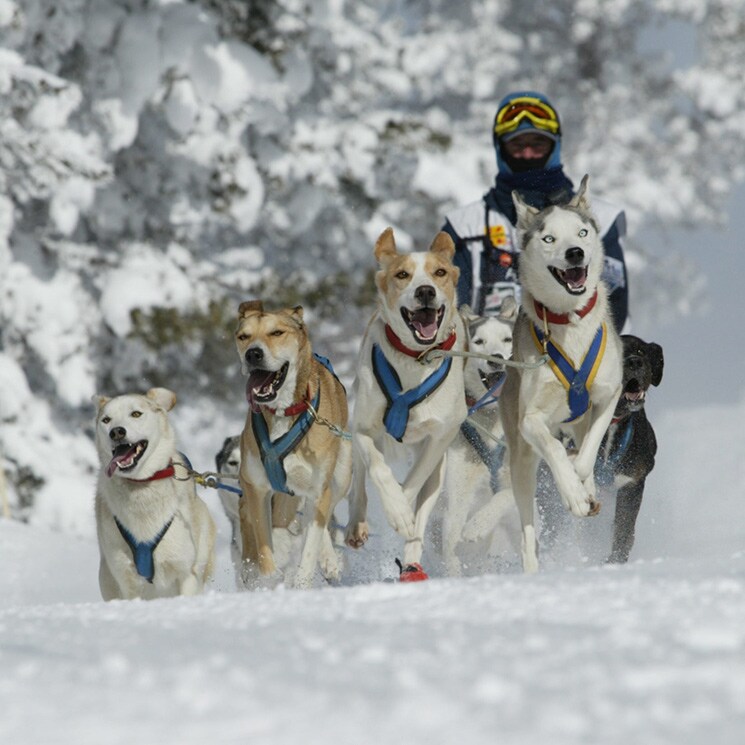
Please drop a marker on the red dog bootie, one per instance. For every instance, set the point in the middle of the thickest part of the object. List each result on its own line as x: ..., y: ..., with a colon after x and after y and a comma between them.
x: 411, y: 572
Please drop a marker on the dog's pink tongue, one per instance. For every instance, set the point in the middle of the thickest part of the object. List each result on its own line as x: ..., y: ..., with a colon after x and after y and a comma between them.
x: 117, y: 459
x: 256, y: 381
x: 426, y: 330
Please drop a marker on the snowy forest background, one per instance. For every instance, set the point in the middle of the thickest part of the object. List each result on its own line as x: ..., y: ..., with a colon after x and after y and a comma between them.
x: 162, y: 161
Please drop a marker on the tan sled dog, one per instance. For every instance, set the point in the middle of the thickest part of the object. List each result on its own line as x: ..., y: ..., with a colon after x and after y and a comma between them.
x: 289, y: 460
x: 565, y: 313
x: 155, y: 536
x: 407, y: 413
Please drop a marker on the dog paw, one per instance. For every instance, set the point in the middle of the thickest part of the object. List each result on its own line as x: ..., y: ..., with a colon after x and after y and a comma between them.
x: 357, y: 535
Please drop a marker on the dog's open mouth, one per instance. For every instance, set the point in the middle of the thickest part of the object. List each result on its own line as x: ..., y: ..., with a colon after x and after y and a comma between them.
x: 633, y: 395
x: 126, y: 456
x: 263, y: 385
x: 424, y: 322
x: 573, y: 279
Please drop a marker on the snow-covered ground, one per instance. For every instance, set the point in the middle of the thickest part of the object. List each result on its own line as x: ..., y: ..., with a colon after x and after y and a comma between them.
x: 651, y: 652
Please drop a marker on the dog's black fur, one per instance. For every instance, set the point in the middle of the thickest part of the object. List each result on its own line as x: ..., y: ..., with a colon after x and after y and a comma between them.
x: 627, y: 453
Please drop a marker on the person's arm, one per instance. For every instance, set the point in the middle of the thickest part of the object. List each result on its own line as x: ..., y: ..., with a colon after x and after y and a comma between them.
x: 614, y: 271
x: 462, y: 260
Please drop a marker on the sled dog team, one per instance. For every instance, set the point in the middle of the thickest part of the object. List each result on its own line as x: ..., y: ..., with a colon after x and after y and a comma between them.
x: 443, y: 398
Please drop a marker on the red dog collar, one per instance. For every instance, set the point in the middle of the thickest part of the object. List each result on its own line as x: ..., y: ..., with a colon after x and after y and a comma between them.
x: 561, y: 318
x: 416, y: 353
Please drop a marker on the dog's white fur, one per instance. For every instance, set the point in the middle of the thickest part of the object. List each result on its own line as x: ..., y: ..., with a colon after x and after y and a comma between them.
x: 184, y: 557
x: 407, y: 476
x: 471, y: 511
x: 534, y: 404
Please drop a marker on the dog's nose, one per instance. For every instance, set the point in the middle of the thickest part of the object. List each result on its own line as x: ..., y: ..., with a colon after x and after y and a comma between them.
x: 117, y: 433
x: 425, y: 294
x: 574, y: 255
x: 633, y: 362
x: 254, y: 355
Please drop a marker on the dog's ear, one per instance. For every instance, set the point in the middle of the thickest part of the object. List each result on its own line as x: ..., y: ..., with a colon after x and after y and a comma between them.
x: 100, y: 401
x: 385, y: 247
x: 524, y: 211
x: 657, y: 362
x: 466, y: 313
x: 296, y: 314
x: 162, y: 397
x: 443, y: 246
x: 581, y: 200
x: 250, y: 306
x: 508, y: 311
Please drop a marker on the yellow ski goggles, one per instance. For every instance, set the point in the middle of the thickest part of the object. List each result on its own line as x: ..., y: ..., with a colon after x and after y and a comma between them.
x: 517, y: 110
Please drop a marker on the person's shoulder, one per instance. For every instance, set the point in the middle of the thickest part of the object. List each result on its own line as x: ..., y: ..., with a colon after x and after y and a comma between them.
x: 468, y: 220
x: 607, y: 213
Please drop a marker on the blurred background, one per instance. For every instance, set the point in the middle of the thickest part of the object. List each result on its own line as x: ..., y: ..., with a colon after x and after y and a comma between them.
x: 160, y: 161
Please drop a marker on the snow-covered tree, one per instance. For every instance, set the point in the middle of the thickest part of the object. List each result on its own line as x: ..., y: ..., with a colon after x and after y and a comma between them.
x: 162, y: 160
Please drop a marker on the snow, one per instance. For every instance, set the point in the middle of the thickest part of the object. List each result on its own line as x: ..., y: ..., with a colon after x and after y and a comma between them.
x: 652, y: 652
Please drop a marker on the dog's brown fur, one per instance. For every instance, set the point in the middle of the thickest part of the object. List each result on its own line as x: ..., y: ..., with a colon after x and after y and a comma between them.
x: 319, y: 469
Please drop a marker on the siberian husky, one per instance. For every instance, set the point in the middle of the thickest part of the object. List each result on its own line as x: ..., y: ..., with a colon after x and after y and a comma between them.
x: 156, y: 537
x: 408, y: 407
x: 478, y: 495
x: 294, y: 467
x: 564, y: 314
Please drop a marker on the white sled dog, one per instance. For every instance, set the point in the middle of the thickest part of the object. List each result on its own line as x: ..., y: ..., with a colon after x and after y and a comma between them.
x: 478, y: 503
x: 290, y: 461
x: 407, y: 411
x: 565, y: 313
x: 156, y: 537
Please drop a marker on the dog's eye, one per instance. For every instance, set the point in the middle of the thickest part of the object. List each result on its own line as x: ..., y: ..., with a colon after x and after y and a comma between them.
x: 232, y: 462
x: 106, y: 419
x: 243, y: 337
x: 277, y: 332
x: 582, y: 233
x: 136, y: 414
x: 478, y: 341
x: 548, y: 239
x: 403, y: 274
x: 441, y: 272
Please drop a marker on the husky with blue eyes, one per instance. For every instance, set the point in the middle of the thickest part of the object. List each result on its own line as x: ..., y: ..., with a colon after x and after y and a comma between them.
x: 564, y: 320
x: 156, y: 536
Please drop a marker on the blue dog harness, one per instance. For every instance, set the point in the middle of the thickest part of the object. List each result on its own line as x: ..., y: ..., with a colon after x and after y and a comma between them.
x: 607, y: 460
x: 273, y: 452
x: 492, y: 458
x: 142, y: 551
x: 401, y: 402
x: 576, y: 381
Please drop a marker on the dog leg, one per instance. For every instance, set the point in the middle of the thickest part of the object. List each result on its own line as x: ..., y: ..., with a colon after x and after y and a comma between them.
x: 573, y: 492
x: 584, y: 463
x: 329, y: 559
x: 357, y: 532
x: 107, y: 584
x: 426, y: 500
x: 314, y: 535
x: 523, y: 467
x: 397, y: 508
x: 256, y: 532
x: 628, y: 502
x: 458, y: 501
